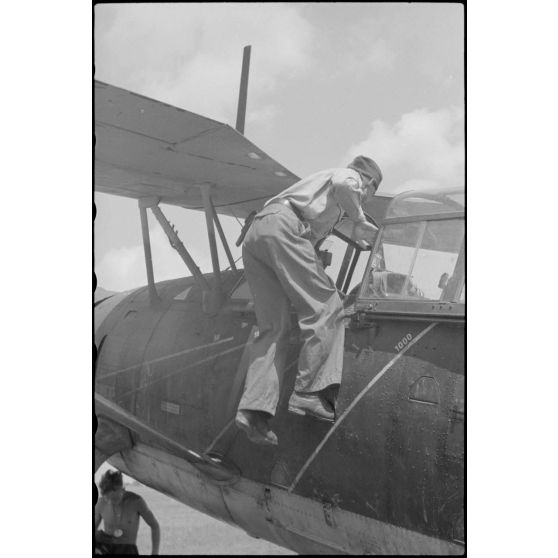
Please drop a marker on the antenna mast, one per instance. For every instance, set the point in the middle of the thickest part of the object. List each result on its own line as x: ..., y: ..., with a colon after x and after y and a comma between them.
x: 243, y: 93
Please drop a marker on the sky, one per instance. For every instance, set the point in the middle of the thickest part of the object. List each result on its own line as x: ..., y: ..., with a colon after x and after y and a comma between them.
x: 328, y: 81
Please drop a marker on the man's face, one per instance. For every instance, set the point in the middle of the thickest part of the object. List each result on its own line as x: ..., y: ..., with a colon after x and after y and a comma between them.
x: 370, y: 185
x: 115, y: 496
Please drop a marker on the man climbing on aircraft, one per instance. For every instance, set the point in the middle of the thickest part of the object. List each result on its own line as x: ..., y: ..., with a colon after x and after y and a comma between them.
x: 120, y: 511
x: 282, y: 267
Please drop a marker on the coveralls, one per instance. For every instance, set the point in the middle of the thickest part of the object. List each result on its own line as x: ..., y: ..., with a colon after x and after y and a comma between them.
x: 282, y: 267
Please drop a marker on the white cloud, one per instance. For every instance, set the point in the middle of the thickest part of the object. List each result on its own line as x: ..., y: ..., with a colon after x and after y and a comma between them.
x: 120, y: 269
x: 424, y: 149
x: 195, y: 62
x: 124, y: 268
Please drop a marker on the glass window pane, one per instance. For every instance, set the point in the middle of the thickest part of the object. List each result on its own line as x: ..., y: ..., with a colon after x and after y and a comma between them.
x: 433, y: 270
x: 427, y: 202
x: 393, y: 260
x: 418, y: 260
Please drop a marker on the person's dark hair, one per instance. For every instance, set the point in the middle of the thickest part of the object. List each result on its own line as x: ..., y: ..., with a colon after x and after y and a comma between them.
x: 111, y: 480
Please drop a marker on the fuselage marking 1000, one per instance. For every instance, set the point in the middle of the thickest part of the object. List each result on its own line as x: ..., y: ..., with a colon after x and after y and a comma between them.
x: 403, y: 342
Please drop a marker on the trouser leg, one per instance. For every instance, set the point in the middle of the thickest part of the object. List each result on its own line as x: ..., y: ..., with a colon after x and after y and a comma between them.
x: 320, y: 313
x: 321, y: 357
x: 268, y: 352
x: 320, y: 310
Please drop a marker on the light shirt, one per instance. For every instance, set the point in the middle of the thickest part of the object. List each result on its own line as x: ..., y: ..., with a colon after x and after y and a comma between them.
x: 325, y: 197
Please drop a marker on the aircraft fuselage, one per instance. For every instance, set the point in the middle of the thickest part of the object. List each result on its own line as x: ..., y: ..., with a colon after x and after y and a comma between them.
x: 387, y: 477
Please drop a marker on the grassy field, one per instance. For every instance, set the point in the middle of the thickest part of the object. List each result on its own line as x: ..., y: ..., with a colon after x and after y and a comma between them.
x: 187, y: 531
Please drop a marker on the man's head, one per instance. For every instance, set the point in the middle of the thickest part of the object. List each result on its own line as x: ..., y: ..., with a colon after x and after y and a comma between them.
x: 111, y: 485
x: 369, y: 171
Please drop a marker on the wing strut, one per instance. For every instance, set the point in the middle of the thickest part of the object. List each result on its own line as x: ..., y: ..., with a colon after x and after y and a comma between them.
x: 222, y: 236
x: 176, y: 243
x: 213, y: 295
x: 153, y: 297
x: 208, y: 206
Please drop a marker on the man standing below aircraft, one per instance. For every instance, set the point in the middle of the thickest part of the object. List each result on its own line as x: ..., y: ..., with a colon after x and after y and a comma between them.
x: 120, y: 511
x: 282, y: 267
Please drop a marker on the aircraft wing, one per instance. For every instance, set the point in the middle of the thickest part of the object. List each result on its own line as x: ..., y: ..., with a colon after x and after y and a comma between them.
x: 147, y: 148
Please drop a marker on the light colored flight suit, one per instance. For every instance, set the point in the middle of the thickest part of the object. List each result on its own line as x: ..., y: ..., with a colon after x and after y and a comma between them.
x: 282, y: 267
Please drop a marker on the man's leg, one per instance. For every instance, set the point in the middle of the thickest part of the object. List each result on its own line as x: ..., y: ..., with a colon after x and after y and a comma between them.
x: 314, y: 296
x: 320, y: 362
x: 269, y: 350
x: 266, y: 354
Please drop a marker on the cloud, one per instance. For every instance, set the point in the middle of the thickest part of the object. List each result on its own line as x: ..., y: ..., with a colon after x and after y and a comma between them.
x: 424, y: 149
x: 120, y: 269
x: 124, y: 268
x: 190, y: 55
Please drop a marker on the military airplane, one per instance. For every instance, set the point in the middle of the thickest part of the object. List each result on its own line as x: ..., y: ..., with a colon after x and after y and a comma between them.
x: 387, y: 476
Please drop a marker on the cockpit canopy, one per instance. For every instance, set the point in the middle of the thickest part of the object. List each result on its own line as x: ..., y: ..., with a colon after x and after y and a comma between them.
x: 426, y: 203
x: 420, y: 252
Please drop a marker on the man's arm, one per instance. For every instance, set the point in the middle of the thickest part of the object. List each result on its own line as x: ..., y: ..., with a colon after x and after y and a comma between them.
x: 364, y: 233
x: 149, y: 518
x: 348, y: 193
x: 98, y: 520
x: 98, y: 516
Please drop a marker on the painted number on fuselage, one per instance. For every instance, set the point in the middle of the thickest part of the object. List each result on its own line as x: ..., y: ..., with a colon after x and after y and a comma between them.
x: 401, y: 345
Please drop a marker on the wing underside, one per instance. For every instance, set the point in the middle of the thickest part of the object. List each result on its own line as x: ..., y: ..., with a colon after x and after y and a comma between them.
x: 147, y: 148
